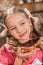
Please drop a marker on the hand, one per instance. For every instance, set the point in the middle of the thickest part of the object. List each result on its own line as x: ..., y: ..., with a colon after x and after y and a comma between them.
x: 22, y: 54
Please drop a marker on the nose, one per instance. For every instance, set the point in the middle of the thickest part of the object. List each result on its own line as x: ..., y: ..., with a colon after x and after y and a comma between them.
x: 19, y: 29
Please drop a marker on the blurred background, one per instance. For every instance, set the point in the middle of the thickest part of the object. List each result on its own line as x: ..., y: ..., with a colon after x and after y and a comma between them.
x: 34, y: 6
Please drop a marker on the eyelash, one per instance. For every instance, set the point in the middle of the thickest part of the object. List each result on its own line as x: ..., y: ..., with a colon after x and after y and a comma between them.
x: 13, y: 28
x: 22, y: 23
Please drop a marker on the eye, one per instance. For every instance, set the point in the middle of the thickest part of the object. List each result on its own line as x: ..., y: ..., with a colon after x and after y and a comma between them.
x: 13, y: 28
x: 22, y: 23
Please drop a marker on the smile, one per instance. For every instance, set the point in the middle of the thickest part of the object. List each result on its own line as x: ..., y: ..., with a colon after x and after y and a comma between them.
x: 23, y: 34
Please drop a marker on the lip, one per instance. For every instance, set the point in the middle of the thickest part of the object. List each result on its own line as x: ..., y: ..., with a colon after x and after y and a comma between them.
x: 23, y: 34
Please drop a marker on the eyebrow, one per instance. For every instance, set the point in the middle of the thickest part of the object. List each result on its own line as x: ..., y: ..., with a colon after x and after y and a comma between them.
x: 21, y: 21
x: 11, y: 26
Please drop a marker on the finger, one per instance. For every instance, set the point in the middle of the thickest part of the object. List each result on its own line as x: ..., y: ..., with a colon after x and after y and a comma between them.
x: 19, y: 50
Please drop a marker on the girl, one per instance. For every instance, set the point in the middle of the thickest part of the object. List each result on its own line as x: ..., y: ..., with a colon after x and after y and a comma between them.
x: 19, y: 26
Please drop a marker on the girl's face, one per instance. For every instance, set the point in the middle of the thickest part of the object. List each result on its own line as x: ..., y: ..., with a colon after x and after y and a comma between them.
x: 19, y: 27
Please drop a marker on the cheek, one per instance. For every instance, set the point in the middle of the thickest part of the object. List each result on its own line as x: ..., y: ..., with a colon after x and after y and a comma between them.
x: 27, y: 26
x: 14, y: 34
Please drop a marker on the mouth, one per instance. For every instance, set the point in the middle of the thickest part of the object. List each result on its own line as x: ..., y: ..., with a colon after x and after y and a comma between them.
x: 23, y: 34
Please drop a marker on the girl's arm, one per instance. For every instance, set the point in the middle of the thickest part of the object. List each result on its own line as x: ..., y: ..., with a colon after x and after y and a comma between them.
x: 20, y: 56
x: 18, y: 61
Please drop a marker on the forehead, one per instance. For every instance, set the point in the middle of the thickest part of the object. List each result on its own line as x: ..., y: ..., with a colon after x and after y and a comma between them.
x: 14, y: 18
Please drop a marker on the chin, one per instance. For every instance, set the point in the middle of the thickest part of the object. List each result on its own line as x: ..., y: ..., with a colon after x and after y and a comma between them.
x: 23, y: 41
